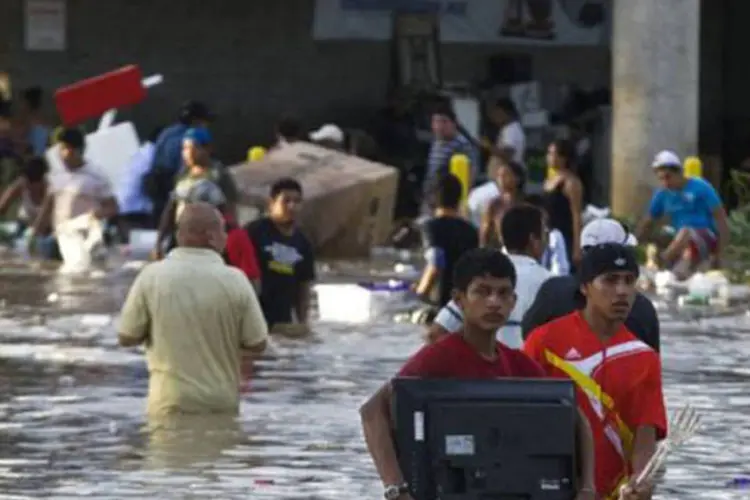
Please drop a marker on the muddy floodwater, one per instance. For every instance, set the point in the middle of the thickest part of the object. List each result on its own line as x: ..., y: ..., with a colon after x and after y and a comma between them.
x: 72, y: 424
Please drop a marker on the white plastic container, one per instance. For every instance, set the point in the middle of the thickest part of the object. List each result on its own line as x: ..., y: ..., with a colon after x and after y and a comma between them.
x: 360, y: 303
x: 142, y: 240
x: 707, y: 284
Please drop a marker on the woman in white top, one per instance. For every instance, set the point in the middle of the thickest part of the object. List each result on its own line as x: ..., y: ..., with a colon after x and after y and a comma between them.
x: 511, y: 179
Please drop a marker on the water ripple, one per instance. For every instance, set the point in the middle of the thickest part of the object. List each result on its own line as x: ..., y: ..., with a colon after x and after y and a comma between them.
x: 71, y: 405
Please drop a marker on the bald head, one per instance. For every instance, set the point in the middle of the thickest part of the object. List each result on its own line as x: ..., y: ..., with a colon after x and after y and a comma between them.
x: 200, y: 225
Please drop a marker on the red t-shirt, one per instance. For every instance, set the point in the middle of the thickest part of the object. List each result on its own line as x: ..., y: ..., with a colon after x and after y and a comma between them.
x: 452, y: 357
x: 625, y: 368
x: 240, y: 251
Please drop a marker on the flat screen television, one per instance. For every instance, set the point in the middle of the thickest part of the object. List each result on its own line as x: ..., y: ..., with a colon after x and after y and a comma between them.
x: 501, y: 439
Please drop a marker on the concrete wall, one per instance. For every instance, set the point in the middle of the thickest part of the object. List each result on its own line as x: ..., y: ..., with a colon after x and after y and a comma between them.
x: 655, y: 87
x: 251, y: 60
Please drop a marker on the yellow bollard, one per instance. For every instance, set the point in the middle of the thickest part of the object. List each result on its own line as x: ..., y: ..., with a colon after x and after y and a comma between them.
x: 256, y: 153
x: 693, y: 167
x: 460, y: 166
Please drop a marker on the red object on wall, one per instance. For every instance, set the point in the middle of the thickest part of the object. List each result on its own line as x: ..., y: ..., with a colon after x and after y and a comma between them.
x: 92, y: 97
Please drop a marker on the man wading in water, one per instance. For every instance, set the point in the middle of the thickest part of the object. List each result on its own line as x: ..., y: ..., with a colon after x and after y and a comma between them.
x: 483, y: 281
x: 617, y: 376
x: 197, y: 317
x: 286, y: 260
x: 196, y: 152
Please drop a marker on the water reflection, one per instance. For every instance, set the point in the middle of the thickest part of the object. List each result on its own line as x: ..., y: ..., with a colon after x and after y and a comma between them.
x: 72, y: 405
x: 181, y: 441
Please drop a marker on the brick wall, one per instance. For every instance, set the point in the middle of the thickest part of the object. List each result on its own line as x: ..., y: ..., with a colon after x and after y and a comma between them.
x: 249, y: 59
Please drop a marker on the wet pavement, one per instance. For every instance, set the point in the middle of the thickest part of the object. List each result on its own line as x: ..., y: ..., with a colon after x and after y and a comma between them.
x: 72, y: 423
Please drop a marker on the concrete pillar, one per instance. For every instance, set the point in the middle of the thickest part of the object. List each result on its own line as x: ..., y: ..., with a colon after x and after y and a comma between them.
x: 655, y: 85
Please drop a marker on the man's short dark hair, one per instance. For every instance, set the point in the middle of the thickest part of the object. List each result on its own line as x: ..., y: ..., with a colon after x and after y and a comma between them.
x: 479, y: 263
x: 519, y: 224
x: 193, y: 111
x: 35, y: 169
x: 447, y: 192
x: 285, y: 184
x: 289, y: 127
x: 73, y: 138
x: 507, y: 105
x: 519, y: 172
x: 444, y: 109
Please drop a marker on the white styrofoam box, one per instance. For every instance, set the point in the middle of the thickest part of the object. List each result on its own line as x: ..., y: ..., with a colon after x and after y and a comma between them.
x: 142, y: 240
x: 707, y: 284
x: 109, y: 150
x: 360, y: 303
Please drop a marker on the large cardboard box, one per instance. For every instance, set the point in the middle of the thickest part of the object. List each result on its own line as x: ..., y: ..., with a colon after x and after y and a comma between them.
x: 348, y: 201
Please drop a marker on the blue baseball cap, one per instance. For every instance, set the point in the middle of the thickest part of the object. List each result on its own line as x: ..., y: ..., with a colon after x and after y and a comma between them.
x: 199, y: 135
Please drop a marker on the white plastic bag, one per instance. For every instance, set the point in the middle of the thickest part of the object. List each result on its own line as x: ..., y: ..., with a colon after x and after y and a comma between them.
x: 81, y: 241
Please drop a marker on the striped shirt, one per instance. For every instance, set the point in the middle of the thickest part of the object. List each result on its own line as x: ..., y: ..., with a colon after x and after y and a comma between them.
x: 439, y: 159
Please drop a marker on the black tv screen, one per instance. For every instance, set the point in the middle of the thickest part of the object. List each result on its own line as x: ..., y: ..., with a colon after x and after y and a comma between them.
x: 502, y: 439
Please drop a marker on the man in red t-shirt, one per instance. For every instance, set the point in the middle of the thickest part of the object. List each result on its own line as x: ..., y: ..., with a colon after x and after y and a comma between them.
x: 618, y: 377
x: 484, y: 281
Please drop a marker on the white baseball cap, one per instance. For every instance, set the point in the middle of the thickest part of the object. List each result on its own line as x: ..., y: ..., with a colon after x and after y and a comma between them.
x: 666, y: 159
x: 328, y: 132
x: 600, y: 231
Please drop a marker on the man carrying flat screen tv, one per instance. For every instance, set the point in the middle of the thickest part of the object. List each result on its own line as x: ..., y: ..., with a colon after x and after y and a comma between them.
x: 484, y: 283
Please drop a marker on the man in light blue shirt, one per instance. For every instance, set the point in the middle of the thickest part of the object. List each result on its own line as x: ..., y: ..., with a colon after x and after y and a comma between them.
x: 694, y: 210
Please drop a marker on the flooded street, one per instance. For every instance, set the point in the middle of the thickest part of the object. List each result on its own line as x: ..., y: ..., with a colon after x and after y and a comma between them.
x: 72, y: 402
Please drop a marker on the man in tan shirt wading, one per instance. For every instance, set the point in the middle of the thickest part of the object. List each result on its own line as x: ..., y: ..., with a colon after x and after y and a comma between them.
x: 197, y: 317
